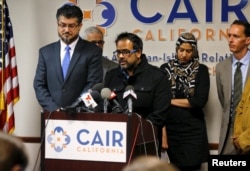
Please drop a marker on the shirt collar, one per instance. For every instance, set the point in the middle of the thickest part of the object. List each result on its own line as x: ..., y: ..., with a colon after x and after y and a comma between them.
x: 72, y: 45
x: 245, y: 60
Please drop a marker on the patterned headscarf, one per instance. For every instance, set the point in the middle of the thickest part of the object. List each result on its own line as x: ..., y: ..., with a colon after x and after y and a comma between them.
x: 183, y: 75
x: 188, y: 38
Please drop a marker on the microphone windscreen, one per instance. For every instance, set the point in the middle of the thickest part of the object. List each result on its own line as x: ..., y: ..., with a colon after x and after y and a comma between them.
x: 129, y: 87
x: 105, y: 93
x: 97, y: 87
x: 96, y: 96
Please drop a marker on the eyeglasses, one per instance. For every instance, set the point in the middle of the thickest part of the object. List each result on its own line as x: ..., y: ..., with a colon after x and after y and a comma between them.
x: 99, y: 42
x: 124, y: 52
x: 70, y: 26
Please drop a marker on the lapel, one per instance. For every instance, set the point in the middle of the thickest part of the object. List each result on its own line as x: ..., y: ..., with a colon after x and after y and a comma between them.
x: 57, y: 61
x: 228, y: 68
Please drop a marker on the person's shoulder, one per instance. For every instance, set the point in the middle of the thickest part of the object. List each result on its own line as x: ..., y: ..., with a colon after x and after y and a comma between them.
x: 222, y: 65
x: 109, y: 64
x: 50, y: 45
x: 164, y: 65
x: 156, y: 69
x: 203, y: 66
x: 82, y: 43
x: 226, y: 61
x: 167, y: 65
x: 108, y: 61
x: 115, y: 69
x: 114, y: 72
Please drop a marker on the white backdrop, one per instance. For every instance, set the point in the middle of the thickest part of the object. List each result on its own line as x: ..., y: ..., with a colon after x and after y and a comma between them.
x: 34, y: 25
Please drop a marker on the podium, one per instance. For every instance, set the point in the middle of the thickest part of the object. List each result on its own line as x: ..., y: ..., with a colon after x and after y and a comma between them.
x: 141, y: 139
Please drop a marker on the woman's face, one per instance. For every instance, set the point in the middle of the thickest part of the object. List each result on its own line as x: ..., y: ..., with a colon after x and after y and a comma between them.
x: 185, y: 53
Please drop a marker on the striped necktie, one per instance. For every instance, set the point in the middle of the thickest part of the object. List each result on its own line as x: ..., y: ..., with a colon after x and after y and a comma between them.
x: 66, y: 61
x: 237, y: 86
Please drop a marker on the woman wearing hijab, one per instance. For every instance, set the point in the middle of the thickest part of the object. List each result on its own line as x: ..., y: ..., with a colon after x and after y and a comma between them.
x: 184, y: 135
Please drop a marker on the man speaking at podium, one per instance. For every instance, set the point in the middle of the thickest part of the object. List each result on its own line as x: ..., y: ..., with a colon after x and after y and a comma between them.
x: 138, y: 84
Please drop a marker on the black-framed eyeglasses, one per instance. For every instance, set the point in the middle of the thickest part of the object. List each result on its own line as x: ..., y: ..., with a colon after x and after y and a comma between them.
x: 124, y: 52
x: 70, y: 26
x: 99, y: 42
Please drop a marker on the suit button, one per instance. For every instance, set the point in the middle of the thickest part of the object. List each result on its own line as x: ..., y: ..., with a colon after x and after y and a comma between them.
x: 63, y: 89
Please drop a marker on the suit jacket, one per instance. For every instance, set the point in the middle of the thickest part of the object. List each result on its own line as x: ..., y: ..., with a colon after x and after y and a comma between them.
x: 224, y: 88
x: 85, y: 70
x: 108, y: 65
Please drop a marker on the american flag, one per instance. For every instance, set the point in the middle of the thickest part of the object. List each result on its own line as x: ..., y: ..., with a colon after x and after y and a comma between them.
x: 9, y: 85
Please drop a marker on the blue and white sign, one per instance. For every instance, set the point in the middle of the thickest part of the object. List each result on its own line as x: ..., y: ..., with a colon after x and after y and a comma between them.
x: 86, y: 140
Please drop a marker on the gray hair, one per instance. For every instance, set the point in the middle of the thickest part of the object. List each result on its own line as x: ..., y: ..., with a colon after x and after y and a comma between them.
x: 89, y: 30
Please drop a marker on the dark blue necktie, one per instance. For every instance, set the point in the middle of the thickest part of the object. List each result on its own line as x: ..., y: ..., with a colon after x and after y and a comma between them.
x: 66, y: 61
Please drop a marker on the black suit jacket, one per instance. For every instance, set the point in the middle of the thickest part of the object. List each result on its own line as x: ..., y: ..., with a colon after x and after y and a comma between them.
x: 85, y: 70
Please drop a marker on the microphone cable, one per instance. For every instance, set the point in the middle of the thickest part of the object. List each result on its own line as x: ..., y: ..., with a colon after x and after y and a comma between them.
x: 142, y: 135
x: 42, y: 139
x: 155, y: 140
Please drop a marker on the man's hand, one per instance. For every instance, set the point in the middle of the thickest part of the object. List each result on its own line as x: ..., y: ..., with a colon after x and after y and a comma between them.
x: 236, y: 142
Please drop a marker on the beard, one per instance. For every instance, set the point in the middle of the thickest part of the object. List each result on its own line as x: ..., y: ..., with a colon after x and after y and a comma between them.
x: 67, y: 38
x: 129, y: 67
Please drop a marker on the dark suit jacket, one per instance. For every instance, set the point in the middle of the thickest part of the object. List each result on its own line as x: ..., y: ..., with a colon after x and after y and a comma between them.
x: 85, y: 70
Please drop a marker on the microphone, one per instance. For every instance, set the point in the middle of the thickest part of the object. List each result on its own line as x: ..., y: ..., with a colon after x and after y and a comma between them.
x: 105, y: 94
x: 79, y: 101
x: 88, y: 99
x: 97, y: 87
x: 91, y: 102
x: 98, y: 99
x: 129, y: 95
x: 117, y: 108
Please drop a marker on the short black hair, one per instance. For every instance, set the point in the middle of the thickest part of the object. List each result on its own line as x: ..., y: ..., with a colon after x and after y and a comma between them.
x: 137, y: 42
x: 69, y: 10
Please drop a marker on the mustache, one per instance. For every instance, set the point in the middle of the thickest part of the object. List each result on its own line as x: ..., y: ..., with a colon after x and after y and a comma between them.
x: 122, y: 60
x: 66, y: 33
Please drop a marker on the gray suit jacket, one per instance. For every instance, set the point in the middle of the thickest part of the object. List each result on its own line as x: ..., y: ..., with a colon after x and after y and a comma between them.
x: 108, y: 65
x: 85, y: 70
x: 224, y: 87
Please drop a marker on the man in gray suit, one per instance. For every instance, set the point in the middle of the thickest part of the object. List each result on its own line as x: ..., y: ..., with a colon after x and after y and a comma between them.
x: 95, y: 35
x: 53, y: 91
x: 238, y: 41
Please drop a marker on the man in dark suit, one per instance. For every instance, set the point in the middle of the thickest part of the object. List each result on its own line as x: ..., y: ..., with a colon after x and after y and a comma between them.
x: 52, y: 89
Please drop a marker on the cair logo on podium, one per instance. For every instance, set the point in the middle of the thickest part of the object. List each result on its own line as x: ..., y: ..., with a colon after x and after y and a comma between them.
x: 86, y: 140
x: 58, y: 139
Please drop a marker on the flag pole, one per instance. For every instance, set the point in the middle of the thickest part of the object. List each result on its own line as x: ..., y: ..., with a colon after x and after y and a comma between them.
x: 2, y: 99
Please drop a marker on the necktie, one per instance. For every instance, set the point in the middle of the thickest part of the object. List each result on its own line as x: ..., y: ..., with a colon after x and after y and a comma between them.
x: 66, y: 61
x: 237, y: 86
